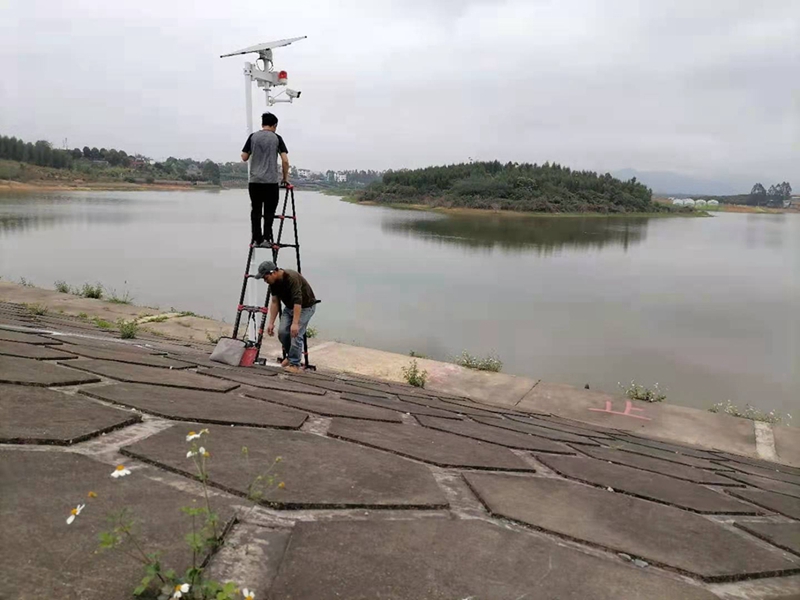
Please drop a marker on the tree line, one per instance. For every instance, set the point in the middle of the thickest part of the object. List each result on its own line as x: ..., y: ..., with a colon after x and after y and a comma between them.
x: 776, y: 196
x: 43, y: 154
x: 513, y: 186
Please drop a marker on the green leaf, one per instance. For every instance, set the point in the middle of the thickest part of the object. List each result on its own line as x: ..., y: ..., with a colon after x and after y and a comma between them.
x: 142, y: 587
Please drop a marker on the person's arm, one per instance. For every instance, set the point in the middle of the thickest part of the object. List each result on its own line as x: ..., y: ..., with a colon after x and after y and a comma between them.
x: 274, y: 309
x: 297, y: 298
x: 284, y: 154
x: 248, y: 148
x: 296, y: 320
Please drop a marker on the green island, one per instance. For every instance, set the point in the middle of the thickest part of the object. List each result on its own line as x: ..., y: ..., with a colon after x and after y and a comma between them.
x: 520, y: 187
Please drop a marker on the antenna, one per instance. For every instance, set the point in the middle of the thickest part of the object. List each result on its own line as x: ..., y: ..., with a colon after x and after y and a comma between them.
x: 263, y: 73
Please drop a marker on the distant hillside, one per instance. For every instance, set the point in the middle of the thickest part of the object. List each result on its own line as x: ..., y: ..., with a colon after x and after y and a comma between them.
x: 513, y: 186
x: 667, y: 182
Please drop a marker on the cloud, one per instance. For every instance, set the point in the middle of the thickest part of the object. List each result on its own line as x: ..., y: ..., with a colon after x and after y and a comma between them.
x: 708, y: 89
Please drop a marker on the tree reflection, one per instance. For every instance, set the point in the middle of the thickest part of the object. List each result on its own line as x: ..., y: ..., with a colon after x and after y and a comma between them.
x: 523, y: 233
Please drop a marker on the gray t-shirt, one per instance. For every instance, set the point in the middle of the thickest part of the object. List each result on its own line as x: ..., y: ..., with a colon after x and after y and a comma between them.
x: 264, y: 147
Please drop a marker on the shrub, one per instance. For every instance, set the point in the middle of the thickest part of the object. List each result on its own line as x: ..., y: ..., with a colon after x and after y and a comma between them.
x: 36, y: 309
x: 127, y: 329
x: 749, y: 412
x: 490, y: 363
x: 91, y: 291
x: 414, y: 376
x: 126, y: 298
x: 311, y: 332
x: 61, y: 286
x: 640, y: 392
x: 24, y: 282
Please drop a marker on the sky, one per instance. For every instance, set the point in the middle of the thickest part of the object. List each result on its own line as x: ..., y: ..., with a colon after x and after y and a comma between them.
x: 708, y: 89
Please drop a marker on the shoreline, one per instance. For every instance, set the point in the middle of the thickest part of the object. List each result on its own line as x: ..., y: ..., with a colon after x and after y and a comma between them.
x: 664, y: 421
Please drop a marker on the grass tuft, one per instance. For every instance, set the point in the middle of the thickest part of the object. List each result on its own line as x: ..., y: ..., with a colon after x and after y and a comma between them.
x: 490, y: 363
x: 91, y: 291
x: 635, y: 391
x: 36, y: 309
x: 126, y: 298
x: 414, y: 376
x: 62, y: 287
x: 127, y: 329
x: 750, y: 412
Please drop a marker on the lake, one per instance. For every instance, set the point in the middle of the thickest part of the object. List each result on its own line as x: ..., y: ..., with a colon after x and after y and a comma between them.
x: 707, y: 307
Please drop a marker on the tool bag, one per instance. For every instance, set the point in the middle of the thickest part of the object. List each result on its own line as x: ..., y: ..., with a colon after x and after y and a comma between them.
x: 228, y: 351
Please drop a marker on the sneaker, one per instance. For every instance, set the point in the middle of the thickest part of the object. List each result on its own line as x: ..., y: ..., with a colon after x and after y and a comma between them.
x: 285, y: 362
x: 292, y: 369
x: 265, y: 244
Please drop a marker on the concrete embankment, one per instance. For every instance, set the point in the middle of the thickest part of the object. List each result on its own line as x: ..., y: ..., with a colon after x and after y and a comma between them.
x: 662, y: 421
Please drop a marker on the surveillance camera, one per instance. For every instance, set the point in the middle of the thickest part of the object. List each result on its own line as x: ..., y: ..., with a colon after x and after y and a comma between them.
x: 293, y: 93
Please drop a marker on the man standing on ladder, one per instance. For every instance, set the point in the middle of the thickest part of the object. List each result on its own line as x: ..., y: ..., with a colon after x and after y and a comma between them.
x: 299, y: 305
x: 262, y: 148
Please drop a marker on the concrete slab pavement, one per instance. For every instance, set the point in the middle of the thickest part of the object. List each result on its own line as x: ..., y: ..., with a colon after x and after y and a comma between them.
x: 441, y: 558
x: 653, y: 532
x: 329, y: 405
x: 788, y: 506
x: 782, y: 535
x: 27, y: 371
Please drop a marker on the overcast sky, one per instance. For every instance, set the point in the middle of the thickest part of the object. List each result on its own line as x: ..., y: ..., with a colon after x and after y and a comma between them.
x: 709, y: 88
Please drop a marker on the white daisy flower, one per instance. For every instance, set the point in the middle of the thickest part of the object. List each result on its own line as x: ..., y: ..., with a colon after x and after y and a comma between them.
x: 120, y: 471
x: 180, y: 590
x: 74, y: 513
x: 248, y: 594
x: 201, y: 451
x: 195, y: 435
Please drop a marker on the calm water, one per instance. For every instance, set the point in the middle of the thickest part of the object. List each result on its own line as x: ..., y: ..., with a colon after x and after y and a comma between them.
x: 709, y: 308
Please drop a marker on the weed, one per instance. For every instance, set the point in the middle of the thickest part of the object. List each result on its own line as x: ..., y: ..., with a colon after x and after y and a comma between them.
x: 126, y: 298
x: 749, y: 412
x: 62, y: 286
x: 213, y: 339
x: 25, y: 283
x: 102, y: 323
x: 490, y: 363
x: 311, y: 332
x: 204, y: 536
x: 414, y: 376
x: 413, y: 354
x: 158, y: 319
x: 187, y: 313
x: 83, y: 315
x: 640, y: 392
x: 91, y: 291
x: 36, y: 309
x: 127, y: 329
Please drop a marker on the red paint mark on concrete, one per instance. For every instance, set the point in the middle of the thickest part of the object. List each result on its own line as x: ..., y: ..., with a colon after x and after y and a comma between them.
x: 629, y: 408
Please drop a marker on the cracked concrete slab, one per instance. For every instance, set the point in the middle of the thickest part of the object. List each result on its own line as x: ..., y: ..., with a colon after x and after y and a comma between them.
x: 400, y: 406
x: 495, y: 435
x: 681, y: 459
x: 30, y: 415
x: 782, y: 535
x: 764, y: 472
x: 787, y: 506
x: 646, y: 484
x: 428, y: 445
x: 346, y: 388
x: 202, y: 407
x: 657, y: 465
x: 653, y: 532
x: 328, y: 405
x: 531, y: 429
x: 38, y: 352
x: 153, y: 375
x: 26, y: 371
x: 123, y: 356
x: 764, y: 483
x: 43, y: 557
x: 267, y: 381
x: 669, y: 447
x: 453, y: 559
x: 562, y: 427
x: 318, y: 472
x: 8, y: 335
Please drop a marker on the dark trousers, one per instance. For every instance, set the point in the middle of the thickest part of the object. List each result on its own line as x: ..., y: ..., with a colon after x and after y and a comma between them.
x: 264, y: 198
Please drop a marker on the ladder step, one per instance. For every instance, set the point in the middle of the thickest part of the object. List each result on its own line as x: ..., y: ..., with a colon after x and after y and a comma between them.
x: 282, y: 217
x: 252, y: 309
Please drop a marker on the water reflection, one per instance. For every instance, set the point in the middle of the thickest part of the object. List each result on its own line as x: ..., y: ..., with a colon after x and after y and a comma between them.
x: 545, y: 235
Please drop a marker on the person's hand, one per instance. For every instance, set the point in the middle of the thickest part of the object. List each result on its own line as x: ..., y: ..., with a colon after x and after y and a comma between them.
x: 270, y: 330
x: 295, y: 329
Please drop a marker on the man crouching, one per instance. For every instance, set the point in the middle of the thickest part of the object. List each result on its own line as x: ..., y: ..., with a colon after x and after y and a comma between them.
x: 299, y: 304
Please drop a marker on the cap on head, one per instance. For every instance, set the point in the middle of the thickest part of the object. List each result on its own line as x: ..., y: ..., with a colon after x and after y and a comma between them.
x: 265, y: 268
x: 268, y: 120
